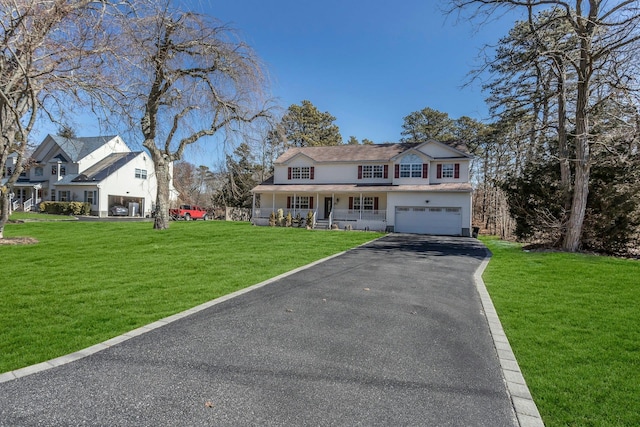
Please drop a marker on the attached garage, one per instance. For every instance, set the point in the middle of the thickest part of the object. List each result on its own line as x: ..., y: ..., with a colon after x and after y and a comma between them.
x: 424, y: 220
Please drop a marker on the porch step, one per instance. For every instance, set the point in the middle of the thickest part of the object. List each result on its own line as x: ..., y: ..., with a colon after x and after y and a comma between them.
x: 322, y: 224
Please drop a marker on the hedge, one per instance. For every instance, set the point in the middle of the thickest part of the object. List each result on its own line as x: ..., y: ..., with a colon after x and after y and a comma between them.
x: 65, y: 208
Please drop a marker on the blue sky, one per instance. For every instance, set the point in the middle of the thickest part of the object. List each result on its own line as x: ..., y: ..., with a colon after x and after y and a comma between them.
x: 368, y: 63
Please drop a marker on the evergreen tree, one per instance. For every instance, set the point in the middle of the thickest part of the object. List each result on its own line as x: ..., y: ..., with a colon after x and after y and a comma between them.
x: 305, y: 126
x: 420, y: 126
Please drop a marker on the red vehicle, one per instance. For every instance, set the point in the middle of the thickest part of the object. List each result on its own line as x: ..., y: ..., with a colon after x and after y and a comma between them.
x: 189, y: 212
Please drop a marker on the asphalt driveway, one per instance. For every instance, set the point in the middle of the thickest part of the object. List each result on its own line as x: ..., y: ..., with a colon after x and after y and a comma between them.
x: 391, y: 333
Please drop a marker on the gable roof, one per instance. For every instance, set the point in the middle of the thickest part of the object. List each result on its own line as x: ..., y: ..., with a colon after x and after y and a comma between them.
x: 366, y: 153
x: 105, y: 167
x: 78, y: 148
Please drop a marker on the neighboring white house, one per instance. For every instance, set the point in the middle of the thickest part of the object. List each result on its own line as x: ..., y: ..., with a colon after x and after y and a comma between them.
x: 411, y: 188
x: 102, y: 171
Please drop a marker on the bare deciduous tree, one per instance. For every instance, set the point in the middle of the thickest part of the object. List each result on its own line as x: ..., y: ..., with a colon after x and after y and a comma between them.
x: 606, y: 35
x: 50, y: 51
x: 190, y: 79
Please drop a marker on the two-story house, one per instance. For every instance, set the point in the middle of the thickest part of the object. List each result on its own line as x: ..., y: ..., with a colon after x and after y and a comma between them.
x: 411, y: 188
x: 102, y: 171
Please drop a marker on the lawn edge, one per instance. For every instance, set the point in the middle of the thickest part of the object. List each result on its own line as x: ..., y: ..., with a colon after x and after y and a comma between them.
x: 525, y: 408
x: 81, y: 354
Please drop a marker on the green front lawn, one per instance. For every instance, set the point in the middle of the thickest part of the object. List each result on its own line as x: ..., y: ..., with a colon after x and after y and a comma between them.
x: 574, y: 324
x: 35, y: 216
x: 85, y: 282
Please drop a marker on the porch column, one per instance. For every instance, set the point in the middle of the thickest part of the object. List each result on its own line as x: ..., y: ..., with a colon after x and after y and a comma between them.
x: 273, y: 202
x: 333, y: 204
x: 253, y: 205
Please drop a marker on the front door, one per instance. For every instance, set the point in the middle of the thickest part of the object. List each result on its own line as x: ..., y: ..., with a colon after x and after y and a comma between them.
x: 328, y: 205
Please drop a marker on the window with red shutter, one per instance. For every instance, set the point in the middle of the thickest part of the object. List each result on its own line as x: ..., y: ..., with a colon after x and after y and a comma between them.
x: 397, y: 171
x: 425, y: 170
x: 312, y: 172
x: 360, y: 172
x: 375, y: 203
x: 350, y: 202
x: 289, y: 173
x: 456, y: 170
x: 288, y: 202
x: 311, y: 202
x: 386, y: 171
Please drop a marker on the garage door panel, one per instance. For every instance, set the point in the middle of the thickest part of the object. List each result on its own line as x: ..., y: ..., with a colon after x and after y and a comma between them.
x: 422, y: 220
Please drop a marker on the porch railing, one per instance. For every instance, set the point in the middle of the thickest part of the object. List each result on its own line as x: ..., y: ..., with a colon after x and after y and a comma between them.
x: 27, y: 205
x: 354, y: 215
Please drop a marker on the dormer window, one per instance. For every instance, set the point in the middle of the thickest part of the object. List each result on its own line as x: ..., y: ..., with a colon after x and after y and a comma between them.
x: 301, y: 172
x: 411, y: 166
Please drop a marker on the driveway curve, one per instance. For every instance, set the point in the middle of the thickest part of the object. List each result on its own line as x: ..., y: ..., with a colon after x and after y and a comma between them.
x: 390, y: 333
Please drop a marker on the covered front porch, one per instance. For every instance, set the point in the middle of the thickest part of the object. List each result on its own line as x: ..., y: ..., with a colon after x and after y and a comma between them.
x: 27, y: 195
x: 343, y: 210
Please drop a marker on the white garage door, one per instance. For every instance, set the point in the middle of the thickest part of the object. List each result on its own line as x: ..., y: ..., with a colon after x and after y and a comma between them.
x: 421, y: 220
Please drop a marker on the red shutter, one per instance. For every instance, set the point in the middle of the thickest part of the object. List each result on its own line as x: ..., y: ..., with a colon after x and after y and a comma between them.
x: 350, y: 202
x: 425, y: 170
x: 312, y: 172
x: 456, y: 170
x: 386, y: 171
x: 375, y: 203
x: 360, y: 172
x: 289, y: 173
x: 289, y: 201
x: 397, y: 171
x: 439, y: 171
x: 310, y: 202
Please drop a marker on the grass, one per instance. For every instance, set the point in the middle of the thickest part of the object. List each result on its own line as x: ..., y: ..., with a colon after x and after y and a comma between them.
x: 34, y: 216
x: 85, y: 282
x: 574, y: 324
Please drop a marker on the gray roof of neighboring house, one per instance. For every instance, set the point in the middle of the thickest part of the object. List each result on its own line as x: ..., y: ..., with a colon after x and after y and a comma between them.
x: 78, y: 148
x: 369, y: 152
x: 100, y: 170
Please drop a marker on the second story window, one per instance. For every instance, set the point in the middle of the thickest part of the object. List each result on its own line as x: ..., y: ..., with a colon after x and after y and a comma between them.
x: 141, y: 173
x: 448, y: 170
x: 63, y: 170
x: 411, y: 166
x: 373, y: 171
x: 38, y: 171
x: 300, y: 172
x: 411, y: 170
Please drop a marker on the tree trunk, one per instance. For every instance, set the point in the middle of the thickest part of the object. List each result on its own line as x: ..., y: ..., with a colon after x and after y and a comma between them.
x: 163, y: 178
x: 4, y: 209
x: 583, y: 162
x: 563, y: 145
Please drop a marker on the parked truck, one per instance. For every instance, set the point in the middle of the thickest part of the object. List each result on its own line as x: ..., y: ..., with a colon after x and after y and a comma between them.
x: 189, y: 212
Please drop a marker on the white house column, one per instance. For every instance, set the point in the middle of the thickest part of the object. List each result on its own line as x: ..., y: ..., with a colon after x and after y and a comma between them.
x: 333, y: 204
x: 253, y: 206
